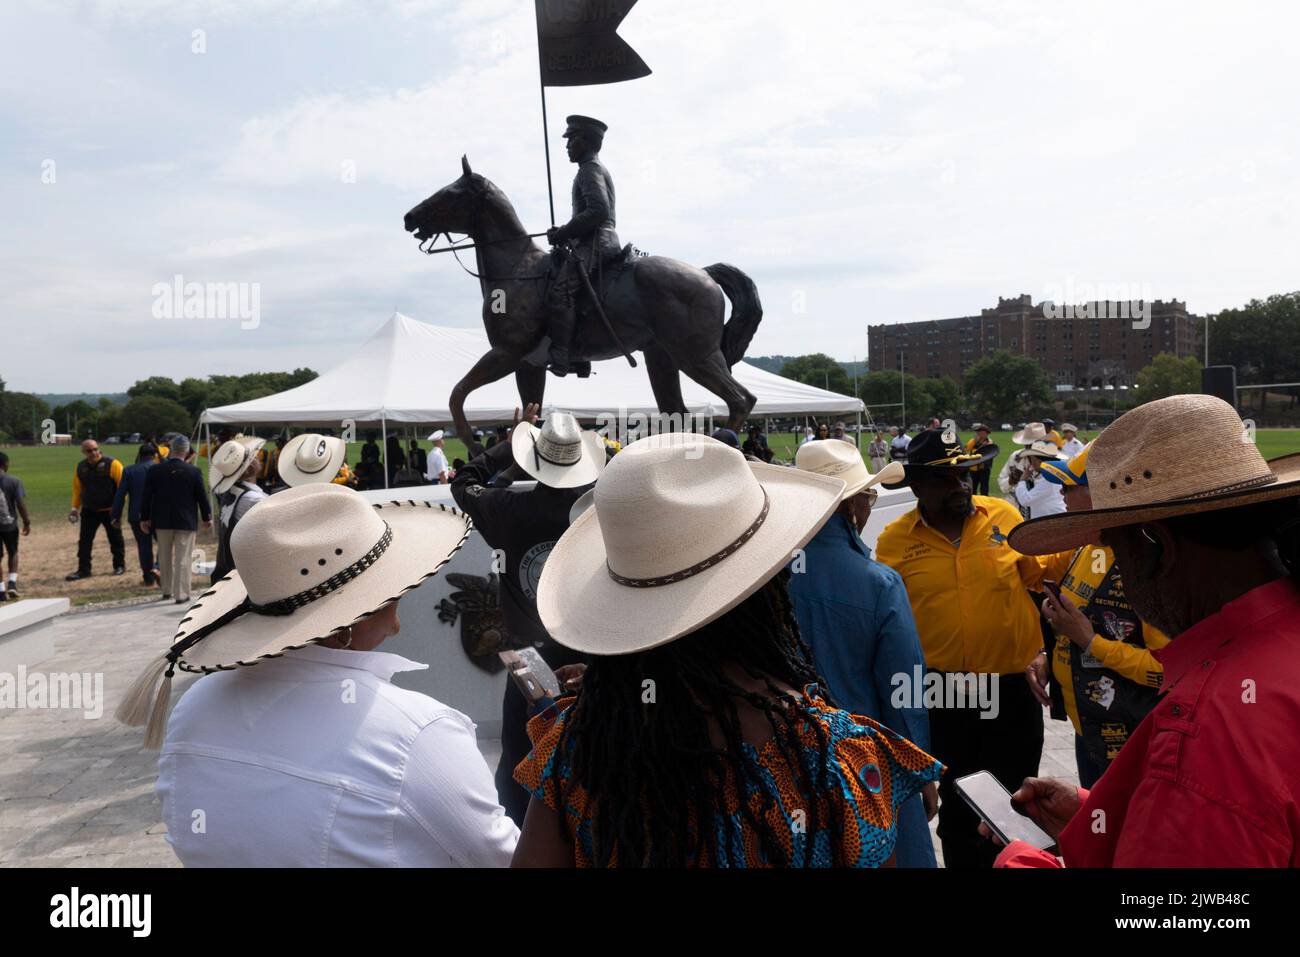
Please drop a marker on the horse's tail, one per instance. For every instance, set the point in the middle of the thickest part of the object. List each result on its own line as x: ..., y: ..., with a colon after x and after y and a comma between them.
x: 746, y: 310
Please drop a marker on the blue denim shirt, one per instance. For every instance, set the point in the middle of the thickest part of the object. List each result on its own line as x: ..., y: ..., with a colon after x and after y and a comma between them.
x: 854, y: 614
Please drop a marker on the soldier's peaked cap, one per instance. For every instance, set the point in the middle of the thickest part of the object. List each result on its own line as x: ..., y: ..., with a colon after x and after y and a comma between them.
x: 584, y: 124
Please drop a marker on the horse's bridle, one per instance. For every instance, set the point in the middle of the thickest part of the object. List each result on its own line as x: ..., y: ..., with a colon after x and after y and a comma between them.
x: 480, y: 199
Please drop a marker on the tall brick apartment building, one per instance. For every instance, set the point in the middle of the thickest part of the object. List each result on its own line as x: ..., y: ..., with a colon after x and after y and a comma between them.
x: 1076, y: 351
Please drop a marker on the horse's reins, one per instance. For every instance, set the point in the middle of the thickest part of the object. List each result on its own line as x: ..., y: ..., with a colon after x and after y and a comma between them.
x: 455, y: 252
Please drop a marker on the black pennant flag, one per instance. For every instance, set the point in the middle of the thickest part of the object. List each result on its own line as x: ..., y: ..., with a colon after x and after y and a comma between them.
x: 578, y: 45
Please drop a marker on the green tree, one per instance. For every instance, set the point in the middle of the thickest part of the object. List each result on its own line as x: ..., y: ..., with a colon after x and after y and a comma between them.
x: 818, y: 370
x: 945, y: 395
x: 76, y: 417
x: 1006, y: 386
x: 153, y: 414
x: 1169, y: 375
x: 21, y: 415
x: 106, y: 417
x: 1261, y: 339
x: 156, y: 385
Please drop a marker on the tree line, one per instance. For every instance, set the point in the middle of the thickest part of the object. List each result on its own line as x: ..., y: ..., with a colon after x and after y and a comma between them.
x: 155, y: 405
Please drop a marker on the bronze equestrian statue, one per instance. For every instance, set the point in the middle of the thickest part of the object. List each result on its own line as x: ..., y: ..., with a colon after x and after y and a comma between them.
x: 672, y: 312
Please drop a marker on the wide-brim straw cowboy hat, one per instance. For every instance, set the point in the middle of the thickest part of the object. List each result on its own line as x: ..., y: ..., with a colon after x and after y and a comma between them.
x: 559, y: 454
x: 231, y: 461
x: 838, y: 459
x: 1042, y: 449
x: 683, y: 529
x: 311, y: 561
x: 310, y: 458
x: 1031, y: 433
x: 1176, y: 456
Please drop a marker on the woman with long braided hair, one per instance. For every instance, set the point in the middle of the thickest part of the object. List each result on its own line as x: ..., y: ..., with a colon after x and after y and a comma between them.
x: 700, y: 735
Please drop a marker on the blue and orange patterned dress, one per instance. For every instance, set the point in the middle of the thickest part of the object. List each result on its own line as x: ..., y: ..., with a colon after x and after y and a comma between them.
x: 872, y: 772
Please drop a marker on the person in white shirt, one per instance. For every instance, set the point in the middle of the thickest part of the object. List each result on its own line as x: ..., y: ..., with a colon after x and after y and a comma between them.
x: 438, y: 471
x: 1071, y: 445
x: 1035, y: 495
x: 898, y: 444
x: 295, y: 749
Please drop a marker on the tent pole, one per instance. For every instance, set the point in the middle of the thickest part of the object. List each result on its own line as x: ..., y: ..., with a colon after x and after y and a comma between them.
x: 383, y: 424
x: 859, y: 436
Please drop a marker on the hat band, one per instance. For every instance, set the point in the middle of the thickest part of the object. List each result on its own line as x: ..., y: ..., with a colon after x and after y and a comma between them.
x: 698, y: 567
x: 286, y: 606
x: 562, y: 455
x: 951, y: 459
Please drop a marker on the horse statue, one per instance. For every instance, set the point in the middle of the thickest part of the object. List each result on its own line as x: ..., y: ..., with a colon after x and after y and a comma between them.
x: 670, y: 311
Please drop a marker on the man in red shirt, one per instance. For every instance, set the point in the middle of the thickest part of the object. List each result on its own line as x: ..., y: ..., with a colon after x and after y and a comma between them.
x: 1210, y: 556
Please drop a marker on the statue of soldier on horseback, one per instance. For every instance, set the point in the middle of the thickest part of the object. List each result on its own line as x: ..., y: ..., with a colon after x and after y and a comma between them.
x: 542, y: 308
x: 589, y: 234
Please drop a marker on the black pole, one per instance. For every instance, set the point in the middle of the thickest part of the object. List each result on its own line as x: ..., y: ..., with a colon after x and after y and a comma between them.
x: 546, y: 135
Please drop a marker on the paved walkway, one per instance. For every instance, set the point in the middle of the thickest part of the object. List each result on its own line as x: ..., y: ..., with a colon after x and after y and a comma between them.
x: 78, y: 790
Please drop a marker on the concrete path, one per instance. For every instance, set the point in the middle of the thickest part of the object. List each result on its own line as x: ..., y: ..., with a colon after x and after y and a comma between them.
x: 77, y: 790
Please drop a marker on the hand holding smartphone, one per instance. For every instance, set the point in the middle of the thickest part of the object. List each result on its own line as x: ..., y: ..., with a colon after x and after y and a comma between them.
x: 992, y: 803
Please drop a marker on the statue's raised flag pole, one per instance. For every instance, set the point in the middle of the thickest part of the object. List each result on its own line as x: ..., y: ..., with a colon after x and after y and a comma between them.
x: 577, y: 45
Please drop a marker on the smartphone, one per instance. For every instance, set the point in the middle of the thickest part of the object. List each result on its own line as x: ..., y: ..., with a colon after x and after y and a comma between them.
x: 530, y: 672
x: 1053, y: 589
x: 992, y: 802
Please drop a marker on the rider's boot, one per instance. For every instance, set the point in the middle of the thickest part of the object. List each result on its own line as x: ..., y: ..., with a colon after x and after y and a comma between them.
x: 540, y: 354
x: 563, y: 318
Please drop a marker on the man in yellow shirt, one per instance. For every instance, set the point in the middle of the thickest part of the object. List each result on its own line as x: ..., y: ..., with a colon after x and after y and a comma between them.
x: 969, y: 593
x: 94, y: 486
x: 1105, y: 678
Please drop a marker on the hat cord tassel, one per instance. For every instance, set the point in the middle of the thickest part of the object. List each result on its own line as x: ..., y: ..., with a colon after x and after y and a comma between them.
x: 137, y: 707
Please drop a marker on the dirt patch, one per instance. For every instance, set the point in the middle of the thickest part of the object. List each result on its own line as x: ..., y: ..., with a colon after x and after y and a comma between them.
x: 50, y: 552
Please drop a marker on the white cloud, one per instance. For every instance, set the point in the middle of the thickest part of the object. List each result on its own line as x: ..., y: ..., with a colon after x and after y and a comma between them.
x: 883, y: 161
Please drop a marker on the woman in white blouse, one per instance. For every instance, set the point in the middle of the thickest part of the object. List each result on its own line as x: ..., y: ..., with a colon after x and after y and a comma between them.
x: 296, y: 750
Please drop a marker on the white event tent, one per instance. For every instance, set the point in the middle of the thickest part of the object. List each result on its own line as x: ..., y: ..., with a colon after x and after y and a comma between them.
x: 404, y: 374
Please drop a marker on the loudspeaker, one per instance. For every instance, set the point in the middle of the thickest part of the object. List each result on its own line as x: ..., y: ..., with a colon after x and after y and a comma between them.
x: 1220, y: 381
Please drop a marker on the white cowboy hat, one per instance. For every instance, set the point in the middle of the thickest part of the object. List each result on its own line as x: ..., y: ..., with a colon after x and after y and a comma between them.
x: 842, y: 461
x: 310, y: 458
x: 231, y: 461
x: 559, y: 454
x: 310, y: 562
x: 1174, y: 456
x: 683, y: 530
x: 1031, y: 433
x: 435, y: 436
x: 581, y: 504
x: 1042, y: 449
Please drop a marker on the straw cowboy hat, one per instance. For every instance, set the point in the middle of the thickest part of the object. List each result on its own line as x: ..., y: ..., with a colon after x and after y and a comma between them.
x: 1042, y: 449
x: 683, y: 530
x: 1174, y: 456
x: 559, y: 454
x: 311, y: 562
x: 1031, y: 433
x: 840, y: 460
x: 311, y: 458
x: 231, y: 461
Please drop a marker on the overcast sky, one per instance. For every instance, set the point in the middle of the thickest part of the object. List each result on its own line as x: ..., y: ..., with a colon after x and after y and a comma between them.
x: 864, y: 161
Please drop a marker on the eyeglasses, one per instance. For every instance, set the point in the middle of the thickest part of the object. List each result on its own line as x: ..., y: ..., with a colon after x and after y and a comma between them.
x: 872, y: 495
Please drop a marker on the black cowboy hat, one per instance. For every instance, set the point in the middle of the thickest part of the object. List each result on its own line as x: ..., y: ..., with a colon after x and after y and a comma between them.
x: 933, y: 449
